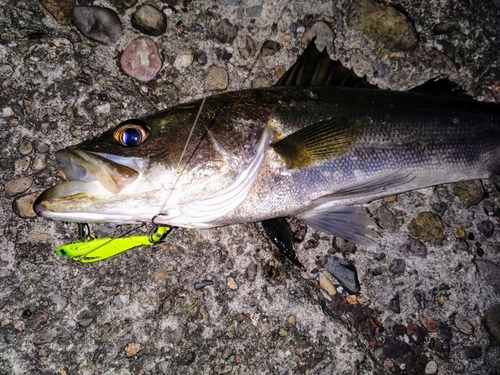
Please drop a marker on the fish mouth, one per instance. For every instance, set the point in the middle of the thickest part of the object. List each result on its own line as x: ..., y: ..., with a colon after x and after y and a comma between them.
x: 114, y: 173
x: 93, y: 176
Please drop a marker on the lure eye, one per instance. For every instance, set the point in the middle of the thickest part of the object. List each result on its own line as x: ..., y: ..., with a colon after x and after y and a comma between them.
x: 131, y: 133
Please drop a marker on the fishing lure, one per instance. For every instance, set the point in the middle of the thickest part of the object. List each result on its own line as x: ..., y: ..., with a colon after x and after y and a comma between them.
x: 88, y: 248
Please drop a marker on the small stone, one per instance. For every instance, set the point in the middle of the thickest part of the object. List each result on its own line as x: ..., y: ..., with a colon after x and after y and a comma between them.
x: 251, y: 272
x: 324, y: 35
x: 228, y: 352
x: 202, y: 284
x: 291, y: 319
x: 249, y: 48
x: 132, y: 349
x: 390, y: 199
x: 18, y: 185
x: 204, y: 313
x: 60, y: 9
x: 469, y: 192
x: 270, y: 48
x: 326, y: 284
x: 431, y: 368
x: 149, y: 20
x: 25, y: 147
x: 351, y: 299
x: 386, y: 219
x: 225, y: 31
x: 486, y: 227
x: 164, y: 367
x: 398, y: 266
x: 394, y: 304
x: 24, y: 205
x: 186, y: 358
x: 123, y: 4
x: 391, y: 29
x: 254, y: 11
x: 141, y: 60
x: 428, y: 227
x: 45, y: 336
x: 490, y: 271
x: 473, y: 352
x: 167, y: 305
x: 283, y: 370
x: 463, y: 325
x: 282, y: 332
x: 184, y: 59
x: 445, y: 28
x: 231, y: 283
x: 345, y: 272
x: 40, y: 163
x: 122, y: 299
x: 414, y: 247
x: 217, y: 78
x: 429, y: 323
x: 100, y: 24
x: 492, y: 321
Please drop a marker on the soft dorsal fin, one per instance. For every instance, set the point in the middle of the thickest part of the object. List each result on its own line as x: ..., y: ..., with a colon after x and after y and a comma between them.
x: 441, y: 87
x: 315, y: 68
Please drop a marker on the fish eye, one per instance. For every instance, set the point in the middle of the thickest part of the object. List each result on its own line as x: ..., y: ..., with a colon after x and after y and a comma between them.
x: 131, y: 133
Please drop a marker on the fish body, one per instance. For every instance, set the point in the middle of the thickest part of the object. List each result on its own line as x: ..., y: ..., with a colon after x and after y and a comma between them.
x: 315, y: 152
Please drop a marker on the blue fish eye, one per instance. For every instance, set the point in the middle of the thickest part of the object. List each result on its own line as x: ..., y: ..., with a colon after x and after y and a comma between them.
x: 131, y: 133
x: 131, y: 137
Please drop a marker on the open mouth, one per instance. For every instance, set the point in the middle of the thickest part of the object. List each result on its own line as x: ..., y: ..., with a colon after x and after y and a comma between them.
x: 114, y: 173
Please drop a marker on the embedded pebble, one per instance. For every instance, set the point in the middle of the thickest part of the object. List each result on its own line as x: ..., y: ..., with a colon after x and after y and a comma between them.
x: 123, y: 4
x: 202, y: 284
x: 345, y: 272
x: 225, y: 31
x: 251, y: 272
x: 45, y: 336
x: 270, y: 47
x: 254, y: 11
x: 228, y: 352
x: 40, y: 163
x: 428, y: 227
x: 217, y: 78
x: 204, y: 313
x: 386, y: 219
x: 18, y: 185
x: 249, y: 48
x: 473, y: 352
x: 490, y: 271
x: 167, y: 92
x: 429, y: 323
x: 445, y: 28
x: 149, y: 20
x: 25, y: 147
x: 60, y: 9
x: 394, y: 304
x: 140, y: 59
x: 388, y: 27
x: 414, y: 247
x: 164, y: 367
x: 231, y: 283
x: 397, y: 266
x: 167, y: 305
x: 324, y: 35
x: 431, y: 368
x: 184, y: 59
x: 291, y: 319
x: 326, y: 284
x: 469, y: 192
x: 463, y: 325
x: 132, y: 349
x: 486, y: 227
x: 492, y: 321
x: 100, y: 24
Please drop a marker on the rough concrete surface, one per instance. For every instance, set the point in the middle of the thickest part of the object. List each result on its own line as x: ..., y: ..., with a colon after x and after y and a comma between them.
x: 424, y: 293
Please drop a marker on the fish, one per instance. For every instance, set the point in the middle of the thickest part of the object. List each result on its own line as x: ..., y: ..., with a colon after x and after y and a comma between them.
x: 317, y: 146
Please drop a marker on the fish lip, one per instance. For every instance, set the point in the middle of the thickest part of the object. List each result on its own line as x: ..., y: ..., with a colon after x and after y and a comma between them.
x: 113, y: 172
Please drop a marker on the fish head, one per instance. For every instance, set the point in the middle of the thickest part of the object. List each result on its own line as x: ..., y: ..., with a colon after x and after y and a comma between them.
x: 133, y: 172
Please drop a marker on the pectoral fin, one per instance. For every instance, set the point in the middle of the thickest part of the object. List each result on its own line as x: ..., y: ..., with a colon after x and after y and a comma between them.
x: 319, y: 142
x: 348, y: 222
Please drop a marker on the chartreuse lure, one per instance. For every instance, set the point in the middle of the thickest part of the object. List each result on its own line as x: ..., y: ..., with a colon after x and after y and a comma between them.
x: 88, y: 248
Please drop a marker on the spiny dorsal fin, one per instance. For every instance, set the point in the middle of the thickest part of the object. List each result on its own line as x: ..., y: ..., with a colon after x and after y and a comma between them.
x: 319, y: 142
x: 314, y: 68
